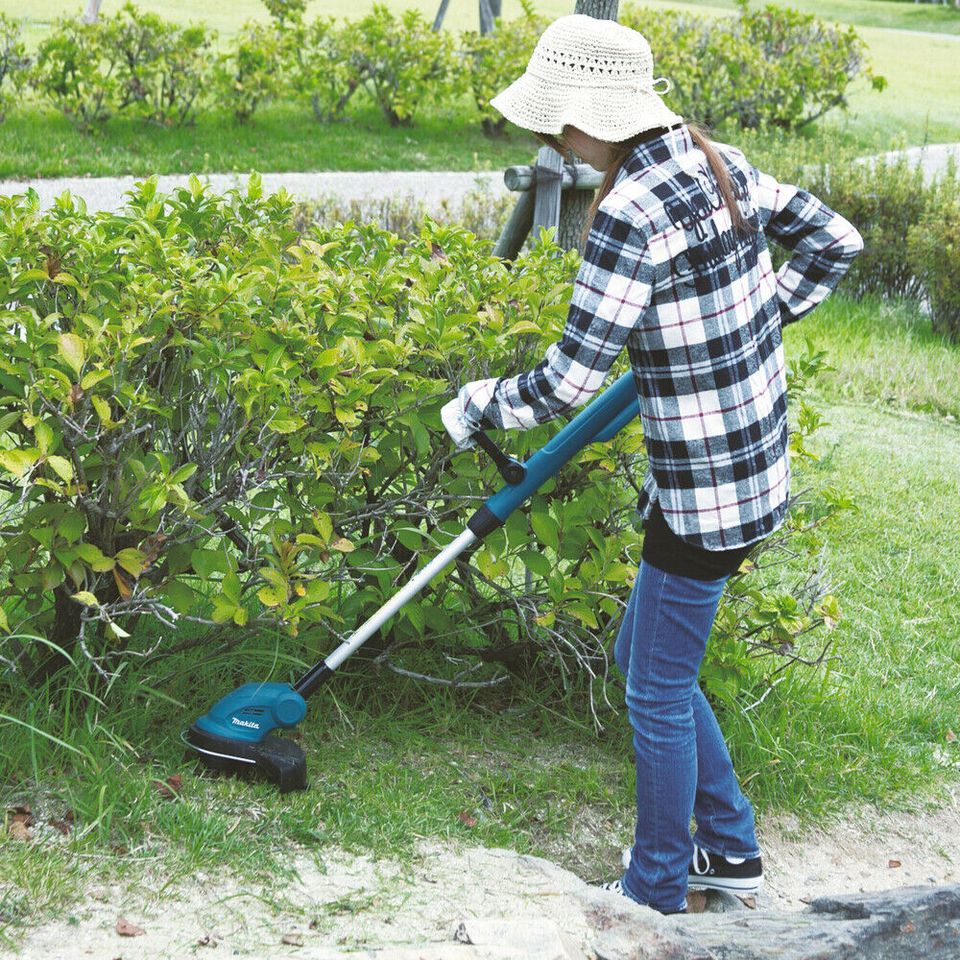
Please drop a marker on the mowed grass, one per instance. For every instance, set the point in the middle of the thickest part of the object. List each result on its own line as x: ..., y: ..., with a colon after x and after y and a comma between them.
x: 884, y: 354
x: 392, y: 760
x: 917, y: 107
x: 888, y: 14
x: 38, y: 143
x: 881, y: 728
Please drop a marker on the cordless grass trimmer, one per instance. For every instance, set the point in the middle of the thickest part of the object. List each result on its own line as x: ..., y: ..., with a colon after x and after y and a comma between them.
x: 236, y: 735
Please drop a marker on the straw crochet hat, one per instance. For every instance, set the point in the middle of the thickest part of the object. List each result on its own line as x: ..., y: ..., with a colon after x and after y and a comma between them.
x: 596, y: 75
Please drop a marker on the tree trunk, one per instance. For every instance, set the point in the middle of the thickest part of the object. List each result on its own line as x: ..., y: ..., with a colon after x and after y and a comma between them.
x: 92, y: 12
x: 486, y: 17
x: 574, y: 204
x: 601, y: 9
x: 441, y: 13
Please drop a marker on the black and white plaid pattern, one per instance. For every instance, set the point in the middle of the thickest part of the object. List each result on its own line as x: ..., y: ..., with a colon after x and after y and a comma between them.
x: 699, y: 309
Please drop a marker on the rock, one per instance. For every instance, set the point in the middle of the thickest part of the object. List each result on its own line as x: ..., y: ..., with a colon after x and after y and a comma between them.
x: 912, y: 923
x: 427, y: 951
x: 542, y: 940
x: 623, y: 930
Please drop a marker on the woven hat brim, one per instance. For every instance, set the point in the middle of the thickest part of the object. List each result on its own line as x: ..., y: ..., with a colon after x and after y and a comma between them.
x: 611, y: 113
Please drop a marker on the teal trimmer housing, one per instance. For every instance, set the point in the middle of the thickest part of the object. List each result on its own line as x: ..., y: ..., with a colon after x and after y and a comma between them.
x: 236, y: 734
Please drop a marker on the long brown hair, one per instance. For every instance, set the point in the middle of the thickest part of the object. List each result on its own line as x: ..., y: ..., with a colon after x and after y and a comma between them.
x: 623, y: 148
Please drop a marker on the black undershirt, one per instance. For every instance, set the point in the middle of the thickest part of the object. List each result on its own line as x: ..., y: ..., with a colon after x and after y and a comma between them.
x: 663, y: 549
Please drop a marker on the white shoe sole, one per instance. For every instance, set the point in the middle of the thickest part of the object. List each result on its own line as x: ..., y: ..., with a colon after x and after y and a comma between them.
x: 734, y: 885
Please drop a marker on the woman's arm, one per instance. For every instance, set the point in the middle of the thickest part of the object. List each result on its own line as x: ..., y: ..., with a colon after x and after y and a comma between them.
x: 824, y: 244
x: 610, y: 294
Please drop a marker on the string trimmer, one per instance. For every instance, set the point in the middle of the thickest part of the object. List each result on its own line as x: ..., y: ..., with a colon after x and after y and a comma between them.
x: 236, y: 735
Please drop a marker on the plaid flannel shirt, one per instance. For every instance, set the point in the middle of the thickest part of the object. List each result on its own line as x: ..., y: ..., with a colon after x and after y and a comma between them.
x: 699, y: 309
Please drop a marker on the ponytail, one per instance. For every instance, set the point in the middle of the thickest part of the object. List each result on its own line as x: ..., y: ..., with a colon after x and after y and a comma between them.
x: 722, y: 175
x: 624, y: 148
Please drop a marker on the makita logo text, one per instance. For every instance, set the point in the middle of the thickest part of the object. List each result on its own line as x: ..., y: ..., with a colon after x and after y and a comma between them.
x: 245, y: 723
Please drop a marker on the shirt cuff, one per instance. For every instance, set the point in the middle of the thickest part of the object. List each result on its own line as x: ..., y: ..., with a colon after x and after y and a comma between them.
x: 477, y: 402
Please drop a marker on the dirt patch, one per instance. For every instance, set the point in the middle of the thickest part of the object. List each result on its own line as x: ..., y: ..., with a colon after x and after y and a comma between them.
x: 337, y: 900
x: 864, y: 851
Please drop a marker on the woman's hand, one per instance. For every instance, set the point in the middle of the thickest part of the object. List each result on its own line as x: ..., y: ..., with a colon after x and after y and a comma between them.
x: 460, y: 431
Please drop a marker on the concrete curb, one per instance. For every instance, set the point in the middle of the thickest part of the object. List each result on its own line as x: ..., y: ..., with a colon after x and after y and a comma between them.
x: 432, y: 186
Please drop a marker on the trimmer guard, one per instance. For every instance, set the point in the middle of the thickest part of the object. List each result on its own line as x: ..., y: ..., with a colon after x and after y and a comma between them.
x: 275, y: 759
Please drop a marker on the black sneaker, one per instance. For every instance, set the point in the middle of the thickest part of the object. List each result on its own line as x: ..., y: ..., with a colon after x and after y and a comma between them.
x: 715, y: 872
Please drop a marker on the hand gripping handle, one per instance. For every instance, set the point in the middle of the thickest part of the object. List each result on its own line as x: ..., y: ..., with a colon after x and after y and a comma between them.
x: 600, y: 420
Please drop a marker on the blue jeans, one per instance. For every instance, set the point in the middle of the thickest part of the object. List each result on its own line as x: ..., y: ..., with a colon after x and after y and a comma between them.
x: 683, y: 766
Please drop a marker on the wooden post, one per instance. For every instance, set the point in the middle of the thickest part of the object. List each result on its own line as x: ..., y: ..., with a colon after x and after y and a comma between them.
x: 488, y: 10
x: 601, y: 9
x: 581, y: 175
x: 576, y: 203
x: 516, y: 228
x: 523, y: 180
x: 549, y: 170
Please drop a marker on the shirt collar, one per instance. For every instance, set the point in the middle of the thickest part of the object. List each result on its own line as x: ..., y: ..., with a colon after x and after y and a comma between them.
x: 648, y: 152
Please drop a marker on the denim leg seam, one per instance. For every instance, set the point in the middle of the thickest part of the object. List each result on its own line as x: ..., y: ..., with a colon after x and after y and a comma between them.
x: 652, y: 881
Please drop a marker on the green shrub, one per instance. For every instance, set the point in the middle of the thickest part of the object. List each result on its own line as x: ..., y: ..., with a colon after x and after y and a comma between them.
x: 286, y: 12
x: 774, y: 67
x: 934, y: 249
x: 802, y: 69
x: 205, y: 416
x: 496, y: 59
x: 326, y: 65
x: 133, y: 60
x: 13, y: 61
x: 163, y: 67
x: 884, y: 198
x: 251, y: 72
x: 406, y: 63
x: 76, y: 71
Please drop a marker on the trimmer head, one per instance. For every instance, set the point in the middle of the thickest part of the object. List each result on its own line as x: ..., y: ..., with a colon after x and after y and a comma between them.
x: 235, y: 735
x: 277, y: 760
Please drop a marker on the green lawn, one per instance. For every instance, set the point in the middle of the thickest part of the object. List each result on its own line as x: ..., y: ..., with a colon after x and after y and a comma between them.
x: 916, y: 108
x: 227, y: 16
x: 38, y: 143
x: 861, y: 13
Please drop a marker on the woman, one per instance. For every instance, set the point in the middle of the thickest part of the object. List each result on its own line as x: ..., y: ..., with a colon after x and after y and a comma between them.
x: 676, y: 268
